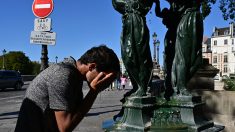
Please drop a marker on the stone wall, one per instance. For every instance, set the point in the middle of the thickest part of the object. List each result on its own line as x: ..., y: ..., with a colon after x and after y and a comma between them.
x: 220, y: 107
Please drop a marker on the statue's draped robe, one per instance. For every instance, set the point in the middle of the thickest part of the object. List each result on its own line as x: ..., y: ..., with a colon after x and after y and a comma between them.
x: 135, y: 48
x: 188, y: 54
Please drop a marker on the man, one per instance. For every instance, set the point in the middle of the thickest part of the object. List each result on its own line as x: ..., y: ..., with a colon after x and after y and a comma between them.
x: 54, y: 100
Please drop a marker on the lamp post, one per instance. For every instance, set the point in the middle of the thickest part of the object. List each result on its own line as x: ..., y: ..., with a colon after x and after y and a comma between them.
x: 44, y: 58
x: 154, y: 46
x: 56, y: 59
x: 158, y: 43
x: 3, y: 59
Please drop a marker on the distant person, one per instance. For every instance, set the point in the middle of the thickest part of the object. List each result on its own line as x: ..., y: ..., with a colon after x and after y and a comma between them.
x: 123, y: 81
x: 118, y: 83
x: 54, y: 100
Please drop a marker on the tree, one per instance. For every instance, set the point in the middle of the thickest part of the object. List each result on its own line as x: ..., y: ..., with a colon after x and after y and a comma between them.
x: 16, y: 60
x: 227, y: 8
x: 36, y: 68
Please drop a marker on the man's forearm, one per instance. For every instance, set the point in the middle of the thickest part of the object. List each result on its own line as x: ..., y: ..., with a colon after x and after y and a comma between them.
x: 84, y: 108
x: 67, y: 121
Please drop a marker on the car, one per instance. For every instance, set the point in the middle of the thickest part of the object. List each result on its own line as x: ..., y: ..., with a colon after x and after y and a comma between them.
x: 10, y: 79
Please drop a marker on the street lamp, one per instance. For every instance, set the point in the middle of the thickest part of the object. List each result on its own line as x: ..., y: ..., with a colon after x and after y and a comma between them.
x: 44, y: 58
x: 154, y: 44
x: 3, y: 60
x: 158, y: 43
x: 56, y: 59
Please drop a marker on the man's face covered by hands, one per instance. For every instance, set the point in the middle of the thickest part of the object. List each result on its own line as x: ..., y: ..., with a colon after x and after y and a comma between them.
x: 98, y: 81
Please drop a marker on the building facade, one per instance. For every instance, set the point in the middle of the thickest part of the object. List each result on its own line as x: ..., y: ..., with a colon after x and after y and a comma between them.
x: 223, y: 49
x: 206, y: 49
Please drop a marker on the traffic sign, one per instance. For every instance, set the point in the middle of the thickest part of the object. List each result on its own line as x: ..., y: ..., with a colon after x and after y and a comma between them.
x: 42, y: 24
x: 45, y: 38
x: 42, y: 8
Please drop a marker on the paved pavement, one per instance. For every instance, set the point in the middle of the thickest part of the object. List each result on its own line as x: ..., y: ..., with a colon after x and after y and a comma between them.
x: 104, y: 108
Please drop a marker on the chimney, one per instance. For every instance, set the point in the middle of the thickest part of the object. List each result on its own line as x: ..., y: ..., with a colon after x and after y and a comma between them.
x: 214, y: 31
x: 231, y: 27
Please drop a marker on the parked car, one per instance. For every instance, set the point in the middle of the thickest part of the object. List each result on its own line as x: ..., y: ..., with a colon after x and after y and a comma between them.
x: 10, y: 79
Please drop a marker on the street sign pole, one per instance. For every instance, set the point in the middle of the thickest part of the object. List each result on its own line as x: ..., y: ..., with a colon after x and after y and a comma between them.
x: 42, y: 9
x: 44, y: 58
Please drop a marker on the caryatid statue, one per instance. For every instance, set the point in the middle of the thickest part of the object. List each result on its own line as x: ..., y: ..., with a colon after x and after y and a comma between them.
x: 135, y: 48
x: 188, y: 45
x: 170, y: 18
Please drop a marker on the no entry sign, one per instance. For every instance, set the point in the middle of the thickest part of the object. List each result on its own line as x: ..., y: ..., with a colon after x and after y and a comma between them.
x: 42, y: 8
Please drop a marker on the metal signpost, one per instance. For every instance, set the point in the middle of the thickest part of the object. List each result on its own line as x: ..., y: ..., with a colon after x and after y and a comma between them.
x: 42, y: 28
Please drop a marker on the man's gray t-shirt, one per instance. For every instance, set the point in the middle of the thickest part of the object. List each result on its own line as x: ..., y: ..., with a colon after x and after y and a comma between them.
x: 58, y: 87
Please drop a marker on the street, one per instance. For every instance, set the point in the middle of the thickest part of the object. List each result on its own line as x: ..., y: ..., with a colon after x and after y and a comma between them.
x: 10, y: 101
x: 105, y: 107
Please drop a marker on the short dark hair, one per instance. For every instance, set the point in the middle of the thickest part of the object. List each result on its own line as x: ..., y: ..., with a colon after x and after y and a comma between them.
x: 104, y: 57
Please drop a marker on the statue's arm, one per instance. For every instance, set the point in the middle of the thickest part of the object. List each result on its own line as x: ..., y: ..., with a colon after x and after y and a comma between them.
x: 119, y: 5
x: 158, y: 8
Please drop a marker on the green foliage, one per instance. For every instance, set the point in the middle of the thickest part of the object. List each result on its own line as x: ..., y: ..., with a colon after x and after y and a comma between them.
x: 206, y: 7
x: 227, y: 8
x: 36, y: 68
x: 229, y: 84
x: 16, y: 60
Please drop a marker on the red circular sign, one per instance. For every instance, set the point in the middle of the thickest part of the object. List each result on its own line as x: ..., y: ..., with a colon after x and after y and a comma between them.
x: 42, y: 8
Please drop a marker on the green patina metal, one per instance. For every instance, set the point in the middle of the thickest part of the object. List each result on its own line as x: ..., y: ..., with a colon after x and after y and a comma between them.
x: 137, y: 114
x: 167, y: 120
x: 135, y: 48
x: 178, y: 113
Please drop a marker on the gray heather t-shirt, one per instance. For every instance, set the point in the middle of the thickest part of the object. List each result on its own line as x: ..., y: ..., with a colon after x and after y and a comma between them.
x: 58, y: 87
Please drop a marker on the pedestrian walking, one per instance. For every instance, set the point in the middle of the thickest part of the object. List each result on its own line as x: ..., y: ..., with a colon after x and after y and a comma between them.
x: 54, y: 100
x: 118, y: 83
x: 123, y: 81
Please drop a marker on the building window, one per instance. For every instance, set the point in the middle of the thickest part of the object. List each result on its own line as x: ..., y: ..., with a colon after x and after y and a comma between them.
x: 215, y: 59
x: 226, y: 32
x: 215, y: 42
x: 225, y: 42
x: 232, y: 41
x: 225, y: 69
x: 203, y: 49
x: 226, y: 58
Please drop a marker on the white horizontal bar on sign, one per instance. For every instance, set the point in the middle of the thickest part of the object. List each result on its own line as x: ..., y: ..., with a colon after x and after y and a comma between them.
x: 40, y: 6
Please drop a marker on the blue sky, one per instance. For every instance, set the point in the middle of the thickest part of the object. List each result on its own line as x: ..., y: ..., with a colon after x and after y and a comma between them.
x: 79, y: 25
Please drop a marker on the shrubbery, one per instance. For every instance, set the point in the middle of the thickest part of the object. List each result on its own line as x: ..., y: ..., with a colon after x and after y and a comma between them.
x: 229, y: 84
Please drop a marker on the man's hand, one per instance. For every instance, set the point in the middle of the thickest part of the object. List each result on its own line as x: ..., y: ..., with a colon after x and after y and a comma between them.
x: 102, y: 81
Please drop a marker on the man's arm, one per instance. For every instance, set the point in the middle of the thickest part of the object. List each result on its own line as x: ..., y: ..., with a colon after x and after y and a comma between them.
x: 67, y: 121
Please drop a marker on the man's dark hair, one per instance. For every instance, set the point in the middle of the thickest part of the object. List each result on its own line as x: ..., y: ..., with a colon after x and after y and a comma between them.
x: 104, y: 57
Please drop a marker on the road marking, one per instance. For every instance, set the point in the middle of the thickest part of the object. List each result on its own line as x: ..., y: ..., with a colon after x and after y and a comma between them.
x: 12, y: 97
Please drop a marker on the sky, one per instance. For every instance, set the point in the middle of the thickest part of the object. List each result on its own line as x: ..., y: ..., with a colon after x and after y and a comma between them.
x: 79, y: 25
